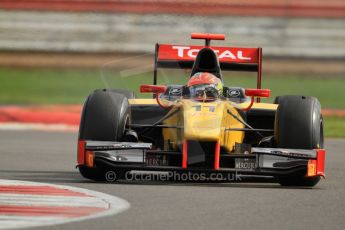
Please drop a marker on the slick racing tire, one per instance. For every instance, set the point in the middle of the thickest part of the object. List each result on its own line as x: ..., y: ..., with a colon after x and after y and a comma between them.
x: 104, y: 117
x: 298, y: 125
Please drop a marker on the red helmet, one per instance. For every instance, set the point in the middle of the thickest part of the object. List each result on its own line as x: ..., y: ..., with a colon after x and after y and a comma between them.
x: 204, y: 82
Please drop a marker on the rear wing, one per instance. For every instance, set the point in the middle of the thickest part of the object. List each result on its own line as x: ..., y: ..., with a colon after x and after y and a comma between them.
x: 230, y: 58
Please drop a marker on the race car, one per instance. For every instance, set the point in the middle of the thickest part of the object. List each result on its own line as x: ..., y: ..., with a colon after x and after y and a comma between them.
x: 202, y: 126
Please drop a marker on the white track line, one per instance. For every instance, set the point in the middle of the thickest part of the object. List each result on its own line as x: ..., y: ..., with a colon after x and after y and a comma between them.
x: 12, y: 222
x: 18, y: 126
x: 111, y: 205
x: 23, y: 200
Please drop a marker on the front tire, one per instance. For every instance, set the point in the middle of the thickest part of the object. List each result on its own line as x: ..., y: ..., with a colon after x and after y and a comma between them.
x: 104, y: 117
x: 298, y: 125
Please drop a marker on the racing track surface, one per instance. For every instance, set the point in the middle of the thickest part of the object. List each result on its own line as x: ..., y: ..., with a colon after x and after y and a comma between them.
x: 50, y: 157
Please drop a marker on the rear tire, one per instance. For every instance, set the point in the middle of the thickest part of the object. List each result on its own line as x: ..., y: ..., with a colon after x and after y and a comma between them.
x: 298, y: 125
x: 104, y: 117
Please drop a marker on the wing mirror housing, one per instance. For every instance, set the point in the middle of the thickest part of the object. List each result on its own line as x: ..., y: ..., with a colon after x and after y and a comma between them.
x: 255, y: 93
x: 153, y: 89
x: 258, y: 92
x: 157, y: 90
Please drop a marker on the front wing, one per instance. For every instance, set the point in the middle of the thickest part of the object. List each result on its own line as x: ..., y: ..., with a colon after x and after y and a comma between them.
x: 259, y: 162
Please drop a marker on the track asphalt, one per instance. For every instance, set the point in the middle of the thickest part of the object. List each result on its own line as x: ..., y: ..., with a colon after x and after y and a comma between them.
x: 50, y: 157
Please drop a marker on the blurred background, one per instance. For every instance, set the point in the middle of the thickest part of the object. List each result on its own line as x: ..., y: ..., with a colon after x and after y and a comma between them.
x: 58, y: 51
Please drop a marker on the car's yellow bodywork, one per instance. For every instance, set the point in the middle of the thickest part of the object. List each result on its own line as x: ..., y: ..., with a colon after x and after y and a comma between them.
x: 204, y: 121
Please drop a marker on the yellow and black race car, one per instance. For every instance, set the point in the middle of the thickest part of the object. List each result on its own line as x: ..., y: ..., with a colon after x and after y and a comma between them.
x: 202, y: 127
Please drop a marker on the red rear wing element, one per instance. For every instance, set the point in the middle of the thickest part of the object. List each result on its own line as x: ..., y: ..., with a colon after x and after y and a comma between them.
x: 225, y: 54
x: 208, y: 36
x: 230, y: 58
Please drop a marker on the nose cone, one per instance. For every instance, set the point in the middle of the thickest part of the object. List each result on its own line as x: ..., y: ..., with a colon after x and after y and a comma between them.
x: 202, y: 120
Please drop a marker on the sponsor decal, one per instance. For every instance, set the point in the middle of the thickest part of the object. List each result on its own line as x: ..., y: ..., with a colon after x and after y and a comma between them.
x: 159, y: 160
x: 225, y: 54
x: 222, y: 54
x: 234, y: 93
x: 175, y: 91
x: 245, y: 163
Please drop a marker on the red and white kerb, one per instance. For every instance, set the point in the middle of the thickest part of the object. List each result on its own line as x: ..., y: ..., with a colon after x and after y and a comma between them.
x: 29, y: 204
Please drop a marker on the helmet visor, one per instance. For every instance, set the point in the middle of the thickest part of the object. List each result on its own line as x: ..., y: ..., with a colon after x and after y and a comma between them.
x: 204, y: 90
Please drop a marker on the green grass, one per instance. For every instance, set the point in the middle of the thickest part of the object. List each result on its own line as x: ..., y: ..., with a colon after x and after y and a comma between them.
x: 52, y: 86
x: 329, y: 90
x: 37, y: 86
x: 334, y: 126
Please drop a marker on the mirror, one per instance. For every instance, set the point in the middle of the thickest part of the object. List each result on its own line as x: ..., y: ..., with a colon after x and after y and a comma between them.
x: 258, y: 92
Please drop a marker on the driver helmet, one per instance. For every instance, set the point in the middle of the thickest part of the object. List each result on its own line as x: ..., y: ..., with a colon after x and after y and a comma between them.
x: 203, y: 84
